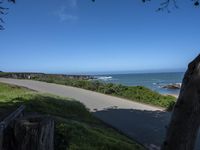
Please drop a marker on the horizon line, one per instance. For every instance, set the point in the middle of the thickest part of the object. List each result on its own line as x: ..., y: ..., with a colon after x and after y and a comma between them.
x: 103, y: 72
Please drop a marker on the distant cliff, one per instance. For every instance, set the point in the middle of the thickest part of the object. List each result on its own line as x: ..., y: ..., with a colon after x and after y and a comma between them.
x: 24, y: 75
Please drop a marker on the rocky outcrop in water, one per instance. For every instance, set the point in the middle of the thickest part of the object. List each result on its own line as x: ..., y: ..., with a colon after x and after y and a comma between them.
x: 172, y: 86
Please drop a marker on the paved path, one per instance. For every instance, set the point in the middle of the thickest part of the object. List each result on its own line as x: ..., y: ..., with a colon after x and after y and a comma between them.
x: 93, y: 100
x: 142, y: 122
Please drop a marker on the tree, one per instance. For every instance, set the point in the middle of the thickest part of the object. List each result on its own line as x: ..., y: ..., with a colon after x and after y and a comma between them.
x: 3, y: 11
x: 163, y: 5
x: 185, y: 119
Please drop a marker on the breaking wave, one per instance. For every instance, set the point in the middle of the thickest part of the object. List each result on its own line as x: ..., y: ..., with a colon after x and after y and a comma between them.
x: 105, y: 78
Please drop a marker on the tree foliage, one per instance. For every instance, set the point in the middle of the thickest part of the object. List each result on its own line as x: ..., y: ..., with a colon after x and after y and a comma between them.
x: 3, y: 11
x: 164, y: 5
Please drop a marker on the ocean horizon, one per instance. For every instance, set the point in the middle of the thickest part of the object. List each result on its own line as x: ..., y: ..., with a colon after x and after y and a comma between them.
x: 154, y: 81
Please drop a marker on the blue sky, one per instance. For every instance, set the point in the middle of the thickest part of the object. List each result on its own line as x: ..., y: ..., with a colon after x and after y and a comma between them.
x: 79, y: 36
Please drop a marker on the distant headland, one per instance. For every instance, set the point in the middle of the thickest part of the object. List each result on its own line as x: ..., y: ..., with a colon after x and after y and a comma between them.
x: 33, y: 75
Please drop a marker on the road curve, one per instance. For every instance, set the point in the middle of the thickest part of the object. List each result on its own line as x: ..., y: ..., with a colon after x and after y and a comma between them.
x: 92, y: 100
x: 144, y: 123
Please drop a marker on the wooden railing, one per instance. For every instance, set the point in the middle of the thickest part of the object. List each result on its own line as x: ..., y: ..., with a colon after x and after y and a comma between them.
x: 4, y: 124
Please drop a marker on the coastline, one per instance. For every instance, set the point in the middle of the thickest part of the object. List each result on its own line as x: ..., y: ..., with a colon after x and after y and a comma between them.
x: 163, y: 83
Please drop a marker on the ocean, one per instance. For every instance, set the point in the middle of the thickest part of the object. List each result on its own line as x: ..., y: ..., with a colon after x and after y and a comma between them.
x: 154, y: 81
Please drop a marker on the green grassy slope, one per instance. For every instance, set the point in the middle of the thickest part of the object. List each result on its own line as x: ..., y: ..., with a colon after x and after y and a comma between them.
x: 76, y: 128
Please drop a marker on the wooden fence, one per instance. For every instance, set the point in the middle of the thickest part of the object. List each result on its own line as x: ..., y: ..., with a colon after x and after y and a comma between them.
x: 4, y: 124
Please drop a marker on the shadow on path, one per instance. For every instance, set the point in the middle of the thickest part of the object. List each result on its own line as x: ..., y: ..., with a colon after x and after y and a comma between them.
x: 147, y: 127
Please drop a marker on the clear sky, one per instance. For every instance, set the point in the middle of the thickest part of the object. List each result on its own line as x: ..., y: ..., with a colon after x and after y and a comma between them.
x: 79, y: 36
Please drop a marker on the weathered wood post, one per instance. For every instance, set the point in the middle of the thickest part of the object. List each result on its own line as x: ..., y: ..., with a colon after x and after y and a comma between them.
x: 34, y: 133
x: 1, y: 136
x: 26, y: 133
x: 8, y: 120
x: 185, y: 119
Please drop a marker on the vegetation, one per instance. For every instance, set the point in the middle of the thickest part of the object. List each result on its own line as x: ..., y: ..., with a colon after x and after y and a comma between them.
x: 134, y: 93
x: 76, y: 128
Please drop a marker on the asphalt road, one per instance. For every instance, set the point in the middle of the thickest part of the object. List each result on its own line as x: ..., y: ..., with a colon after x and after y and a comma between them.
x: 146, y: 124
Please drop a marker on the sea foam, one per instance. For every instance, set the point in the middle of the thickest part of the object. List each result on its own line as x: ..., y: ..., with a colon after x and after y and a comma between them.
x: 105, y: 78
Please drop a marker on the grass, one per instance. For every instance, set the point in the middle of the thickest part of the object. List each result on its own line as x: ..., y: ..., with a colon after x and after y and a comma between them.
x: 76, y: 128
x: 134, y: 93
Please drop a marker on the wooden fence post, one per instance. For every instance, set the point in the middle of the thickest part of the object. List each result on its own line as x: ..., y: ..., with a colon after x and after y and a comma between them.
x: 34, y: 133
x: 4, y: 124
x: 26, y: 133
